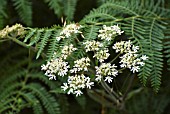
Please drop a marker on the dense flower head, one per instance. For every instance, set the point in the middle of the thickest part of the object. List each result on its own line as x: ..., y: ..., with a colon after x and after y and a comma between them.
x: 55, y: 66
x: 68, y: 31
x: 76, y: 83
x: 122, y: 46
x: 92, y: 45
x: 102, y: 55
x: 67, y: 50
x: 17, y: 28
x: 130, y: 59
x: 106, y: 70
x: 108, y: 33
x: 81, y: 65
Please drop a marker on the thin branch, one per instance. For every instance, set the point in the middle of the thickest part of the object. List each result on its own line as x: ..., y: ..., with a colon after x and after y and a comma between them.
x: 129, y: 86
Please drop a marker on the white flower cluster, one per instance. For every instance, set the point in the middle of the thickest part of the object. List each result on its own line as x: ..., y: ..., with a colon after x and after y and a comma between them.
x: 102, y: 55
x: 79, y: 81
x: 76, y: 83
x: 107, y: 70
x: 18, y: 29
x: 99, y: 52
x: 109, y: 33
x: 80, y: 65
x: 55, y: 66
x: 125, y: 46
x: 92, y: 45
x: 130, y: 59
x: 68, y: 31
x: 58, y: 65
x: 67, y: 50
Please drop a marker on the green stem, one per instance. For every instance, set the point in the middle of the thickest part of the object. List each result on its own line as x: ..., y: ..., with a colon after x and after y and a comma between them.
x: 25, y: 45
x: 128, y: 87
x: 129, y: 18
x: 120, y: 70
x: 115, y: 58
x: 113, y: 94
x: 18, y: 42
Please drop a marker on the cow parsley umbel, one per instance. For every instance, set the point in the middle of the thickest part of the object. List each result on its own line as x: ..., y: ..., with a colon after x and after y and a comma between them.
x: 109, y: 33
x: 129, y: 58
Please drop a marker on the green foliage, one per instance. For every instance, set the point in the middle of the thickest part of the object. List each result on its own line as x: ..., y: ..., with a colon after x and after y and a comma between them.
x: 56, y: 6
x: 69, y: 8
x: 24, y: 9
x: 63, y: 7
x: 142, y: 23
x: 40, y: 37
x: 25, y: 87
x: 167, y: 45
x: 150, y: 103
x: 3, y: 14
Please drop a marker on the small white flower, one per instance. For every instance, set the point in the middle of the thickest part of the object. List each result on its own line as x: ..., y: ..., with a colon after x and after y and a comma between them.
x: 70, y: 91
x: 68, y: 31
x: 98, y: 77
x: 117, y: 29
x: 65, y: 87
x: 51, y: 77
x: 108, y: 79
x: 135, y: 69
x: 144, y: 57
x: 135, y: 48
x: 78, y: 93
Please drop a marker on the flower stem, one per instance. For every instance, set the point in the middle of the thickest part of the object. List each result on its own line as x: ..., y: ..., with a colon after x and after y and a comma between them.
x: 112, y: 93
x: 115, y: 58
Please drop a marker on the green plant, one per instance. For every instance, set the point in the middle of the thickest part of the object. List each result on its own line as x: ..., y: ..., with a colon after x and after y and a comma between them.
x: 25, y: 10
x: 144, y: 22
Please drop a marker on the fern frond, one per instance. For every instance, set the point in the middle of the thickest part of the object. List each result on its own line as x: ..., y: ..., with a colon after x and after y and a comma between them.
x: 69, y: 8
x: 16, y: 75
x: 64, y: 104
x: 34, y: 36
x: 40, y: 76
x: 3, y: 14
x: 56, y: 6
x: 150, y: 45
x: 37, y: 108
x: 53, y: 46
x: 47, y: 100
x: 21, y: 89
x: 154, y: 104
x: 24, y: 9
x: 81, y: 101
x: 90, y: 32
x: 142, y: 23
x: 99, y: 14
x: 167, y: 45
x: 44, y: 40
x: 30, y: 33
